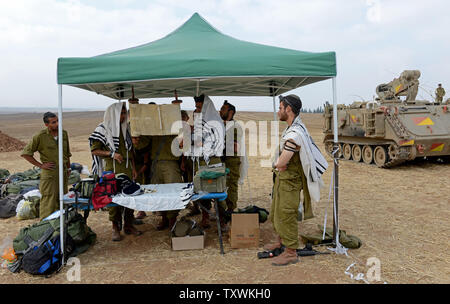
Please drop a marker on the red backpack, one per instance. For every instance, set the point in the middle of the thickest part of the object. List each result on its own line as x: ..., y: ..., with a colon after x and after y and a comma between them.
x: 104, y: 190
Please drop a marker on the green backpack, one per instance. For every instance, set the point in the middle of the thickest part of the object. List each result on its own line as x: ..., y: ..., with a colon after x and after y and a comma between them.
x: 15, y: 188
x: 348, y: 241
x: 31, y: 174
x: 4, y: 173
x: 85, y: 187
x: 74, y: 177
x: 80, y: 232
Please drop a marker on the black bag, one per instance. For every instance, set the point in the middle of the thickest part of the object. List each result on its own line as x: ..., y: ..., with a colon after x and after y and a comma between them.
x: 43, y: 259
x: 263, y: 214
x: 9, y: 204
x: 76, y: 167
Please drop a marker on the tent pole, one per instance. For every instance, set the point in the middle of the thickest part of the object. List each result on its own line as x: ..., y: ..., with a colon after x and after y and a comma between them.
x: 275, y: 118
x: 61, y: 171
x: 336, y: 166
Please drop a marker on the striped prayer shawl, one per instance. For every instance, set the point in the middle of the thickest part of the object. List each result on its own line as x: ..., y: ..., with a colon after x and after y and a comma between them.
x: 108, y: 133
x: 313, y: 162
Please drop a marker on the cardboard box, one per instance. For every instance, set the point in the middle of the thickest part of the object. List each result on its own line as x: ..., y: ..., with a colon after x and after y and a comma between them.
x: 188, y: 242
x: 244, y: 230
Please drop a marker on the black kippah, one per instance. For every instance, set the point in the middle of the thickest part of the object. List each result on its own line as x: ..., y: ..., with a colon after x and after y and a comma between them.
x: 294, y: 101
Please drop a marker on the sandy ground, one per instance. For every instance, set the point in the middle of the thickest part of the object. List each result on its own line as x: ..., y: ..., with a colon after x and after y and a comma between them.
x: 400, y: 214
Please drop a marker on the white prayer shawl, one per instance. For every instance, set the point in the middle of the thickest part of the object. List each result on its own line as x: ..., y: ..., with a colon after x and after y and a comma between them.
x: 313, y: 162
x: 230, y: 126
x: 212, y: 132
x: 108, y: 133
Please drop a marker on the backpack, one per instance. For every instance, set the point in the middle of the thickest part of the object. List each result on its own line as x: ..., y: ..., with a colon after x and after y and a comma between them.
x: 348, y: 241
x: 81, y: 234
x: 18, y: 186
x: 104, y: 190
x: 262, y: 213
x: 76, y: 167
x: 85, y: 187
x: 44, y: 258
x: 8, y: 205
x: 4, y: 174
x: 31, y: 174
x: 73, y: 178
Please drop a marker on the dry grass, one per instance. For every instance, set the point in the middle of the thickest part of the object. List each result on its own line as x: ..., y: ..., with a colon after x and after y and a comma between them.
x: 400, y: 214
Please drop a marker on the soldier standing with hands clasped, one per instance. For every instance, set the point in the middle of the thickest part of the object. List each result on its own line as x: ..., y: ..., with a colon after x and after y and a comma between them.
x: 299, y: 166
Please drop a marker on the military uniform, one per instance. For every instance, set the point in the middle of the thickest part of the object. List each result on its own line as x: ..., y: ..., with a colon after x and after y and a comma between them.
x: 285, y: 201
x: 47, y: 146
x: 440, y: 93
x: 141, y: 149
x: 115, y: 213
x: 166, y: 169
x: 233, y: 163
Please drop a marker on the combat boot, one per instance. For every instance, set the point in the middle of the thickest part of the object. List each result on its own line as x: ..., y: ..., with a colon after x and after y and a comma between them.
x: 274, y: 245
x: 289, y: 256
x: 130, y: 229
x: 115, y: 232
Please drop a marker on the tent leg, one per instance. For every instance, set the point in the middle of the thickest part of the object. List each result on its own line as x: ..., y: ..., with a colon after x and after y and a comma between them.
x: 61, y: 171
x: 336, y: 167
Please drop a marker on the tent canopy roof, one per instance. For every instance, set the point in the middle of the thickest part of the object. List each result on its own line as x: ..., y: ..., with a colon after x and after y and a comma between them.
x: 197, y: 58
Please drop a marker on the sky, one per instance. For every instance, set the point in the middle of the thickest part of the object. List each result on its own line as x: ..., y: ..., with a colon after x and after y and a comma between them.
x: 374, y: 41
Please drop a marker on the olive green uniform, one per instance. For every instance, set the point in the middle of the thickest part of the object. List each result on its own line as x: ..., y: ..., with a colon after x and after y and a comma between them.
x: 166, y: 169
x: 440, y: 93
x: 285, y: 202
x: 141, y: 149
x: 47, y: 146
x: 115, y: 213
x: 233, y: 163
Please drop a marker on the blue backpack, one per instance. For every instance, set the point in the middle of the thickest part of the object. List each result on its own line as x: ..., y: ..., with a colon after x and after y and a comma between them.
x: 43, y: 259
x: 44, y: 256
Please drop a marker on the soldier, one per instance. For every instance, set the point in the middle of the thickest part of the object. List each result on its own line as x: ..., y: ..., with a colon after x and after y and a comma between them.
x: 111, y: 142
x: 205, y: 107
x: 46, y: 143
x: 141, y: 158
x: 230, y: 158
x: 165, y: 170
x: 142, y: 148
x: 287, y: 186
x: 440, y: 93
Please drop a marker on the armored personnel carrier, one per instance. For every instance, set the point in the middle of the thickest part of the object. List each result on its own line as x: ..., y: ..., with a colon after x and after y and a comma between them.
x: 390, y: 130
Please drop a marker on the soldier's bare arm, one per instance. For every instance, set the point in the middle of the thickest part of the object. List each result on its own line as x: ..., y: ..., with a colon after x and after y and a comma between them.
x: 34, y: 162
x: 106, y: 154
x: 289, y: 149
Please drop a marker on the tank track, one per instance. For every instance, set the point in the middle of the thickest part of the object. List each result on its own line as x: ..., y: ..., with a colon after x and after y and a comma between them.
x: 391, y: 161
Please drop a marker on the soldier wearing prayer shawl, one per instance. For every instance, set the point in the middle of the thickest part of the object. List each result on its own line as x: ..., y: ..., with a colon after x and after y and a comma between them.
x: 111, y: 149
x: 299, y: 166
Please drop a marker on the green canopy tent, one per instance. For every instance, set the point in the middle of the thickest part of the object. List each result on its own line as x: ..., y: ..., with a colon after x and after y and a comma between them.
x: 196, y: 58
